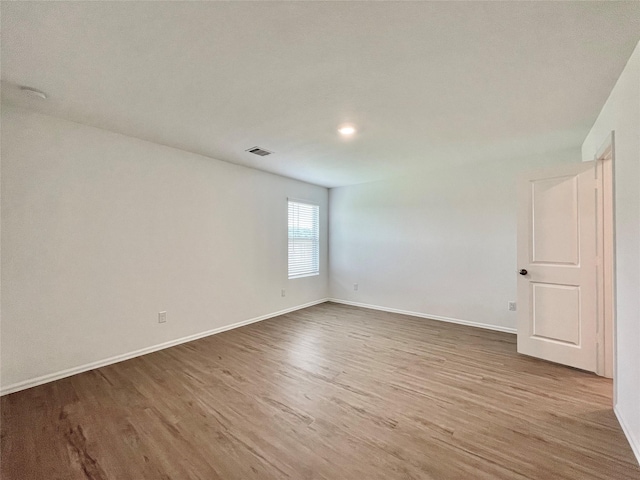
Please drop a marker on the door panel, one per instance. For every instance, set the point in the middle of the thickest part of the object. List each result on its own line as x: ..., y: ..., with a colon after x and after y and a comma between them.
x: 555, y: 233
x: 557, y: 317
x: 556, y: 310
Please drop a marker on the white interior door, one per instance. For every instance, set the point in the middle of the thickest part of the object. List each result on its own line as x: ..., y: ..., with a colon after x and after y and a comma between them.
x: 557, y: 303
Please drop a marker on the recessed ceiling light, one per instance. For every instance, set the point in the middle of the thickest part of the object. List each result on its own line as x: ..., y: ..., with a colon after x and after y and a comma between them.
x: 347, y: 130
x: 33, y: 92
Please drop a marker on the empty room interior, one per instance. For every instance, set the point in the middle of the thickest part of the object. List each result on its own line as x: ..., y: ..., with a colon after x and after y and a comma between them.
x: 320, y: 240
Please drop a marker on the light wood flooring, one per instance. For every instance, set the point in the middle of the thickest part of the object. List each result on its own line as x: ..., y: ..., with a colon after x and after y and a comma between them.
x: 329, y: 392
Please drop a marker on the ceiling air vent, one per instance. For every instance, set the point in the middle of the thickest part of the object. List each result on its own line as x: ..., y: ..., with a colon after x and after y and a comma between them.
x: 259, y: 151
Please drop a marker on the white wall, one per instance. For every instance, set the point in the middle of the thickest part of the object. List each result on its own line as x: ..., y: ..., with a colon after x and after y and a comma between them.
x: 442, y: 243
x: 621, y: 113
x: 101, y: 231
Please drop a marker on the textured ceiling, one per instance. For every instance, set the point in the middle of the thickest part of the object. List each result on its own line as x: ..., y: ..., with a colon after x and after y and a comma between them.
x: 425, y: 82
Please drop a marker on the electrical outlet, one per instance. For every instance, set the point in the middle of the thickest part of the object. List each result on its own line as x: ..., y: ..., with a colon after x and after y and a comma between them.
x: 162, y: 317
x: 283, y: 293
x: 511, y: 306
x: 355, y: 287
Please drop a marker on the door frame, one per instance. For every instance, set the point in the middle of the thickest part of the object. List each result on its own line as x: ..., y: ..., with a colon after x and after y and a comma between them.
x: 606, y: 362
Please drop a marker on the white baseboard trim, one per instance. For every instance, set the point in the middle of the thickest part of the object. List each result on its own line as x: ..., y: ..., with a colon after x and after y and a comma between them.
x: 33, y: 382
x: 425, y: 315
x: 634, y: 442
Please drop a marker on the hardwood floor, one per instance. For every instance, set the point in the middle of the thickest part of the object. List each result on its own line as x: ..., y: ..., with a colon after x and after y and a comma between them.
x: 329, y: 392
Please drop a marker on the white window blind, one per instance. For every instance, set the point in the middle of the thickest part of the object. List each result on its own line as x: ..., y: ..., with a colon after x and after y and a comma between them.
x: 304, y: 239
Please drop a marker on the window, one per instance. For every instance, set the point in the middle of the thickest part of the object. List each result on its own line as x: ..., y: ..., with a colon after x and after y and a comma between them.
x: 304, y: 239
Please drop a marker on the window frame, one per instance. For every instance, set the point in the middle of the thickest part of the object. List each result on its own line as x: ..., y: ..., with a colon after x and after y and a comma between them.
x: 314, y: 240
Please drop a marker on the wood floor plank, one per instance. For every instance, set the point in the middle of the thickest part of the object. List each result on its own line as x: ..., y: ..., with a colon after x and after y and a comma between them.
x: 328, y: 392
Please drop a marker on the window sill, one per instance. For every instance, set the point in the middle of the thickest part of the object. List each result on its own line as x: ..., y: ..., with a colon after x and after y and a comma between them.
x: 305, y: 275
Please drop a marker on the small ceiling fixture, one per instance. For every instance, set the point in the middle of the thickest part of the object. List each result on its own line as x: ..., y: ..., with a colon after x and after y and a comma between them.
x: 259, y: 151
x: 33, y: 92
x: 347, y: 130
